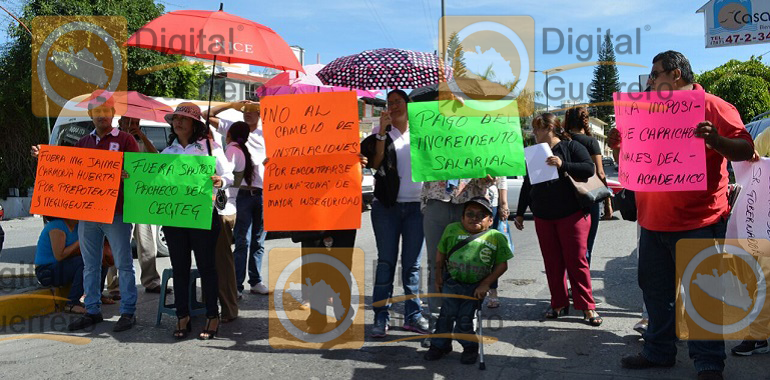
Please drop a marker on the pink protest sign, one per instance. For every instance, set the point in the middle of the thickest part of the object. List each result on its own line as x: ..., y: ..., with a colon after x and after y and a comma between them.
x: 659, y: 150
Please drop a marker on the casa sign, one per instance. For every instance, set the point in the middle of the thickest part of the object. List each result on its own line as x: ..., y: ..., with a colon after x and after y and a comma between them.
x: 736, y: 22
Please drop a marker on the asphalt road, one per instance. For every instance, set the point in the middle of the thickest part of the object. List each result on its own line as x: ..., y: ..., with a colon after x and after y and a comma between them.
x: 528, y: 348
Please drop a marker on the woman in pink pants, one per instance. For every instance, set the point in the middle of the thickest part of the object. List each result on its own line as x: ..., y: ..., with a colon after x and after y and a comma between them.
x: 562, y: 225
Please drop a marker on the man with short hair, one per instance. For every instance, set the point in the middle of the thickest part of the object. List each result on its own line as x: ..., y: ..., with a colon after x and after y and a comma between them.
x: 249, y: 225
x: 92, y: 234
x: 667, y: 217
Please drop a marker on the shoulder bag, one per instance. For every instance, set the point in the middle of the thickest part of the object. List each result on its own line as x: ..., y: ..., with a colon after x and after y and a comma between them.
x: 588, y: 191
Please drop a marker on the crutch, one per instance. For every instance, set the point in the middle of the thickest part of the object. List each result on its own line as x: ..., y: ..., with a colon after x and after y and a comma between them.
x: 479, y: 321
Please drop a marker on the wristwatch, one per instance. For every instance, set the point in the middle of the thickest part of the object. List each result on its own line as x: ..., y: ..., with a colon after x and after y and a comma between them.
x: 381, y: 137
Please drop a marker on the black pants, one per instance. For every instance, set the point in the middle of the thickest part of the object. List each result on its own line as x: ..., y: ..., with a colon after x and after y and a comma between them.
x: 203, y: 243
x: 341, y: 239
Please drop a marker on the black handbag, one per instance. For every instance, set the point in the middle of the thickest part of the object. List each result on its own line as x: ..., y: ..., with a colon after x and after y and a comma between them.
x: 220, y: 201
x: 625, y: 200
x: 589, y: 191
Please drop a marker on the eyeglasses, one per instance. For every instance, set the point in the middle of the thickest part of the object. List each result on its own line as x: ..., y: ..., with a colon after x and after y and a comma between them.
x: 654, y: 74
x: 475, y: 215
x: 395, y: 102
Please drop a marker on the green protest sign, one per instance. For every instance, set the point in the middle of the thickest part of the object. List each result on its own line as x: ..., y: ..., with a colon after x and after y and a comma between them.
x: 168, y: 189
x: 470, y: 144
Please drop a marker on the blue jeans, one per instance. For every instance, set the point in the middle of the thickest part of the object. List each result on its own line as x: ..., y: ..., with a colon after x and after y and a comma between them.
x: 595, y: 215
x: 91, y: 235
x: 61, y: 273
x: 657, y: 278
x: 456, y: 315
x: 399, y: 223
x: 249, y: 236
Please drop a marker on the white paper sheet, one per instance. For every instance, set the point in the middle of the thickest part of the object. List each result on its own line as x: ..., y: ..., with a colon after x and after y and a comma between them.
x: 536, y: 167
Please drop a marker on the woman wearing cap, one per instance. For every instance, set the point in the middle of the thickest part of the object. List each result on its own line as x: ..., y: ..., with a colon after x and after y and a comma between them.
x: 561, y: 224
x: 189, y: 136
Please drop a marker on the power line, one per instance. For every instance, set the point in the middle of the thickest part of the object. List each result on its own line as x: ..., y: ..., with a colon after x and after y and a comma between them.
x: 426, y: 11
x: 380, y: 23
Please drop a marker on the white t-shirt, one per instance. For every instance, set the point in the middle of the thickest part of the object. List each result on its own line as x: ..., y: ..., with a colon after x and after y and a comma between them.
x: 408, y: 191
x: 256, y: 144
x: 237, y: 160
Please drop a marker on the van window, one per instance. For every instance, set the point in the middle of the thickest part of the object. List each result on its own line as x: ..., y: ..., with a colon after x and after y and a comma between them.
x: 70, y: 134
x: 157, y: 135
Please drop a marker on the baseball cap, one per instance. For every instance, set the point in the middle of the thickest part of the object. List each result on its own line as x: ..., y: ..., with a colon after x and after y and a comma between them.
x: 481, y: 201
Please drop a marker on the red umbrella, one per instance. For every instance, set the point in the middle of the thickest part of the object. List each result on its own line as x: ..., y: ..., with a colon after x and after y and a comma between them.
x: 132, y: 104
x: 216, y: 36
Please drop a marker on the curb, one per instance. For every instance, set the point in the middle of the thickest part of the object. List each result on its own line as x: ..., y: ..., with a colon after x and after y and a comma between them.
x: 16, y: 308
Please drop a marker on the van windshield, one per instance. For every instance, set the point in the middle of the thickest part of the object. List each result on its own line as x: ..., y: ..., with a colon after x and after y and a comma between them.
x: 70, y: 134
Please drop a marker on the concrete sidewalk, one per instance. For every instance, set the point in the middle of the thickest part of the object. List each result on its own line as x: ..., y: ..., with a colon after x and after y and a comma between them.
x: 528, y: 348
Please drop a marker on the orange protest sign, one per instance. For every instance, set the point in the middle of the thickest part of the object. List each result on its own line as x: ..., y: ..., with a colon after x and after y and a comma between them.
x: 313, y: 179
x: 77, y: 183
x: 310, y: 124
x: 309, y: 193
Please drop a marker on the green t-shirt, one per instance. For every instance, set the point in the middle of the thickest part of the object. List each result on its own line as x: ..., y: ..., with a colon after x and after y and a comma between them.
x: 471, y: 263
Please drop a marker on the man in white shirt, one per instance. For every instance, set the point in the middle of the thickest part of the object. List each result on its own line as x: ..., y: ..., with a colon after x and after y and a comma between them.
x: 249, y: 226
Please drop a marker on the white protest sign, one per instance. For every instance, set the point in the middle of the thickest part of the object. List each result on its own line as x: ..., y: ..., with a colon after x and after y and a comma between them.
x: 750, y: 217
x: 536, y: 168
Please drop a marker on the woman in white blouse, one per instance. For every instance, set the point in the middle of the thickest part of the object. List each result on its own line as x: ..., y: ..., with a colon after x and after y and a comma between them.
x: 189, y: 137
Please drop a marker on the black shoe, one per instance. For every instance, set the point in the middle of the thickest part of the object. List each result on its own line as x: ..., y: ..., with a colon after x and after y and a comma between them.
x: 435, y: 353
x: 640, y: 362
x: 469, y: 356
x: 125, y: 322
x: 749, y: 347
x: 87, y: 320
x: 553, y: 314
x: 710, y: 375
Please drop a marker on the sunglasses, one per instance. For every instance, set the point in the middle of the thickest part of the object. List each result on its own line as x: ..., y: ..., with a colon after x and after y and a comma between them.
x: 476, y: 215
x: 654, y: 74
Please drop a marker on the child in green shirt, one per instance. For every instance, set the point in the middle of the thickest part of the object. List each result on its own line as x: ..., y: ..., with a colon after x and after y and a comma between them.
x: 470, y: 258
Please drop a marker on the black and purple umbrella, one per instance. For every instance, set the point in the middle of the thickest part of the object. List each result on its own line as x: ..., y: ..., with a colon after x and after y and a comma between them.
x: 384, y: 69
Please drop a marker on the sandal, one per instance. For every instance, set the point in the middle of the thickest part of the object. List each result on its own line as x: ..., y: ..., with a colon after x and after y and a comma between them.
x: 182, y: 332
x: 207, y: 332
x: 595, y: 320
x: 107, y: 300
x: 74, y: 308
x: 552, y: 313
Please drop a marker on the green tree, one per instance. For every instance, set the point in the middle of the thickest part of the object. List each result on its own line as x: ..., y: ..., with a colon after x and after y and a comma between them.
x: 456, y: 56
x: 21, y: 129
x: 744, y: 84
x: 605, y: 81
